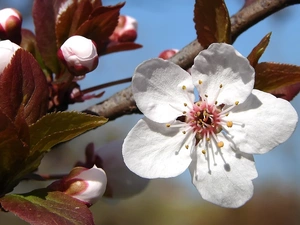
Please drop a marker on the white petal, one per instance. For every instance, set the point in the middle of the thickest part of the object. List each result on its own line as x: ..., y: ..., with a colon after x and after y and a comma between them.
x: 157, y: 89
x: 221, y: 64
x: 268, y: 121
x: 122, y: 182
x: 227, y: 181
x: 151, y: 150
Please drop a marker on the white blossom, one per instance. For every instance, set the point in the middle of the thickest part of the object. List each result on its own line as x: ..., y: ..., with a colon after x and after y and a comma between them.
x: 214, y: 135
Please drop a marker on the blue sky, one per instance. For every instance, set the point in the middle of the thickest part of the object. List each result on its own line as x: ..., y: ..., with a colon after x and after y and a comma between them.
x: 169, y: 24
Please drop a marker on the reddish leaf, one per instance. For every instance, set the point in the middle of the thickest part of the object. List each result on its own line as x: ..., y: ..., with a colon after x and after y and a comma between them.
x: 212, y: 22
x: 259, y: 49
x: 273, y: 76
x: 96, y: 3
x: 44, y: 15
x: 13, y: 151
x: 287, y: 92
x: 70, y: 19
x: 47, y: 208
x: 24, y: 84
x: 101, y: 24
x: 117, y: 47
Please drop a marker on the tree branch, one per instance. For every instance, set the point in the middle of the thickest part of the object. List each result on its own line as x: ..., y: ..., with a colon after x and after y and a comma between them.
x: 122, y: 102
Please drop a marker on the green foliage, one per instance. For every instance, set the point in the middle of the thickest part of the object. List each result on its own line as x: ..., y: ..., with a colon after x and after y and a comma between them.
x: 47, y: 207
x: 212, y: 22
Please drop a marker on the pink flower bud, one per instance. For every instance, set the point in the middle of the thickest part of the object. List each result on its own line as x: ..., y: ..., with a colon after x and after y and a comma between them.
x: 87, y: 185
x: 79, y: 54
x: 7, y: 50
x: 166, y: 54
x: 126, y: 31
x: 10, y: 24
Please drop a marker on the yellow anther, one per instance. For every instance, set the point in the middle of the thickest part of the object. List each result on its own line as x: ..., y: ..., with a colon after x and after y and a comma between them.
x: 184, y: 112
x: 184, y: 132
x: 168, y: 125
x: 198, y: 104
x: 229, y: 123
x: 226, y: 114
x: 207, y: 139
x: 221, y: 85
x: 203, y: 152
x: 236, y: 103
x: 183, y: 87
x: 185, y: 104
x: 206, y: 95
x: 216, y: 102
x: 187, y: 146
x: 200, y: 81
x: 220, y: 144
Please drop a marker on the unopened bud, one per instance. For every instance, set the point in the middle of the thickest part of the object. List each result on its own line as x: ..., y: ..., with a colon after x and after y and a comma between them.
x: 86, y: 185
x: 10, y: 24
x: 126, y: 30
x: 79, y: 54
x: 7, y: 50
x: 166, y: 54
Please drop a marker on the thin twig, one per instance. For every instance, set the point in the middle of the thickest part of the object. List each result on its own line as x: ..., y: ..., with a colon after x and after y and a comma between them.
x: 122, y: 102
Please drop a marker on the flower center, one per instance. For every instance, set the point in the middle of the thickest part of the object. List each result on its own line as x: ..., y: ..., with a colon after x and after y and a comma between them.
x: 204, y: 119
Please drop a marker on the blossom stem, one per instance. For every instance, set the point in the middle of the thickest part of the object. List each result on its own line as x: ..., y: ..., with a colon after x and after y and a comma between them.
x: 109, y: 84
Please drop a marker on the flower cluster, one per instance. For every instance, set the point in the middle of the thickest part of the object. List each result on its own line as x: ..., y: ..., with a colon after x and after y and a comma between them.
x: 214, y: 136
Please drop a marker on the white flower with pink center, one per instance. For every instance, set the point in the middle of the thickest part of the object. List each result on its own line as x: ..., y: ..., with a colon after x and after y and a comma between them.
x: 215, y: 135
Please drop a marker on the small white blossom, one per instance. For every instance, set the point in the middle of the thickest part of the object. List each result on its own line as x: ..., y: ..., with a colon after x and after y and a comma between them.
x: 7, y: 50
x: 215, y: 135
x: 79, y: 54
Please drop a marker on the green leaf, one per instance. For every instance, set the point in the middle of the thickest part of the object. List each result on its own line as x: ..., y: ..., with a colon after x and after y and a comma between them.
x: 271, y: 76
x: 44, y: 14
x: 55, y: 128
x: 212, y: 22
x: 47, y: 208
x: 259, y: 49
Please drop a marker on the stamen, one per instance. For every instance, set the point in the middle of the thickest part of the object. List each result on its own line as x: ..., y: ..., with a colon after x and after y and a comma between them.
x: 168, y: 125
x: 220, y: 144
x: 184, y: 132
x: 203, y: 152
x: 185, y: 104
x: 206, y: 95
x: 183, y: 87
x: 221, y: 85
x: 236, y: 103
x: 199, y: 81
x: 187, y: 146
x: 184, y: 112
x: 229, y: 123
x: 216, y: 102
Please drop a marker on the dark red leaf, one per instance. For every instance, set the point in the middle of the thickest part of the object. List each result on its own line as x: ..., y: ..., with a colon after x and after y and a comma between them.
x: 24, y: 84
x: 259, y: 49
x: 101, y: 24
x: 287, y: 92
x: 13, y: 151
x: 212, y: 22
x: 44, y: 17
x: 70, y: 19
x: 47, y: 208
x: 274, y: 76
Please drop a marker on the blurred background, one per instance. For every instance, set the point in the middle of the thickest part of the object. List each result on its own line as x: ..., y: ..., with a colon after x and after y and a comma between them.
x: 164, y: 25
